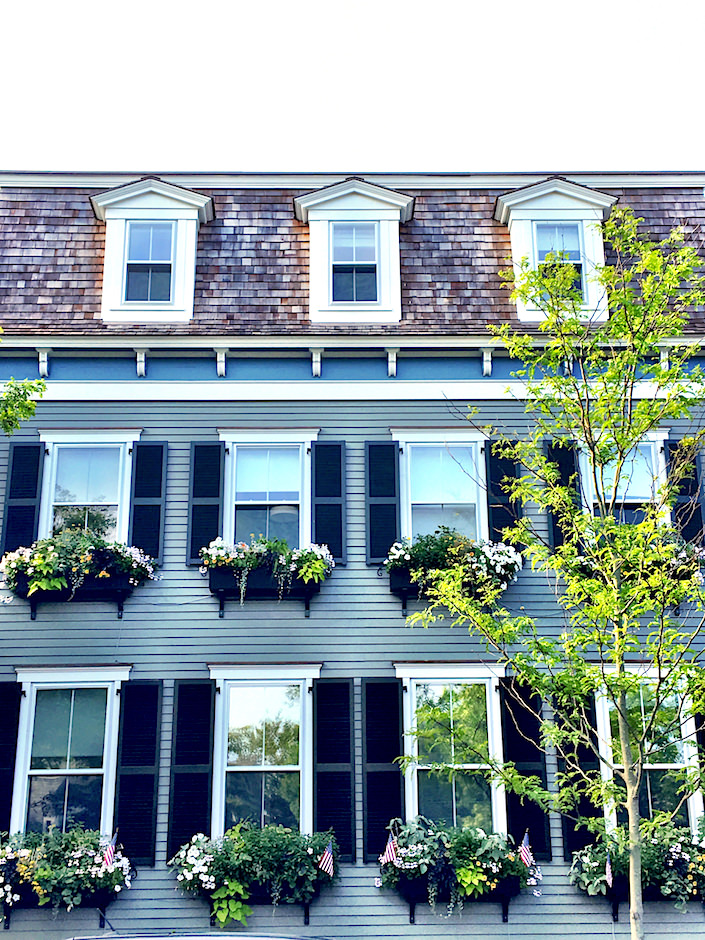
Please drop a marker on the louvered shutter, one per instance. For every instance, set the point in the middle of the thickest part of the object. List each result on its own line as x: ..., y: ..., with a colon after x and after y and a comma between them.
x: 584, y: 757
x: 381, y: 498
x: 383, y: 783
x: 565, y: 456
x: 521, y: 728
x: 191, y: 761
x: 688, y: 507
x: 205, y: 498
x: 148, y: 497
x: 10, y: 697
x: 501, y: 510
x: 138, y: 768
x: 334, y: 782
x: 328, y: 496
x: 24, y: 487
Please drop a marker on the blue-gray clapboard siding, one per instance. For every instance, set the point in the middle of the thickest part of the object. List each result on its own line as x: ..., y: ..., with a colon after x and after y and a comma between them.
x: 171, y: 630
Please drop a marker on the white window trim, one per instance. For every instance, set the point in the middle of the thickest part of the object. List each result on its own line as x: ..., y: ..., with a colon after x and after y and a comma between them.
x: 227, y: 676
x: 356, y: 304
x: 407, y: 437
x: 123, y: 438
x: 150, y: 304
x: 232, y: 437
x: 657, y: 440
x: 93, y: 677
x: 479, y: 673
x: 695, y: 804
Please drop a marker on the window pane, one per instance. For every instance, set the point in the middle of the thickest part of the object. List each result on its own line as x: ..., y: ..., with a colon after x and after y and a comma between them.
x: 343, y: 289
x: 425, y: 519
x: 366, y: 284
x: 263, y: 725
x: 558, y: 239
x: 88, y: 728
x: 275, y: 522
x: 443, y: 474
x: 665, y: 745
x: 87, y: 475
x: 140, y: 239
x: 267, y: 473
x: 343, y: 244
x: 160, y: 283
x: 62, y: 801
x: 637, y: 478
x: 99, y: 519
x: 365, y: 248
x: 463, y: 801
x: 161, y: 241
x: 263, y: 798
x: 451, y: 723
x: 137, y: 286
x: 50, y: 737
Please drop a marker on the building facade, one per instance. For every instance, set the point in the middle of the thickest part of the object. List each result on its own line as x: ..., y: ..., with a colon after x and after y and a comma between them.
x: 228, y: 355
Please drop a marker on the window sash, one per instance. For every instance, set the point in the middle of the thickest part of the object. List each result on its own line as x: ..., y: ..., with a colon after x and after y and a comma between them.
x: 150, y: 260
x: 354, y: 263
x: 457, y: 464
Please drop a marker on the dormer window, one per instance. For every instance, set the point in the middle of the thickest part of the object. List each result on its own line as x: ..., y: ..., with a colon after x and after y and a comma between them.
x: 354, y: 273
x: 149, y: 262
x: 562, y: 220
x: 151, y: 231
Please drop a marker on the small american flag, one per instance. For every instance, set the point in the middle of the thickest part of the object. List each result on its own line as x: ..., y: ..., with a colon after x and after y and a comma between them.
x: 390, y: 852
x: 525, y: 853
x: 608, y: 870
x: 326, y: 862
x: 109, y: 854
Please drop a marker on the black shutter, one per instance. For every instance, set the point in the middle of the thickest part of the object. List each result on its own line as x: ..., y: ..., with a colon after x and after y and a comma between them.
x: 334, y: 782
x: 328, y: 485
x: 138, y: 768
x: 205, y: 521
x: 381, y: 498
x: 191, y: 761
x: 501, y: 510
x: 565, y: 456
x: 22, y: 496
x: 383, y: 782
x: 587, y: 760
x: 521, y: 734
x: 10, y: 696
x: 148, y: 498
x: 688, y: 506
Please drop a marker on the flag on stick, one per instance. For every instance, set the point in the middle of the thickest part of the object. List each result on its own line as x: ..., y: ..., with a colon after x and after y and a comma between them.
x: 390, y: 853
x: 326, y: 862
x: 109, y: 854
x: 608, y: 870
x: 525, y: 853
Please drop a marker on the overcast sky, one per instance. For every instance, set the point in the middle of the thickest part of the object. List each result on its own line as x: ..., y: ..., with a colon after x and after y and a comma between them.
x: 375, y: 85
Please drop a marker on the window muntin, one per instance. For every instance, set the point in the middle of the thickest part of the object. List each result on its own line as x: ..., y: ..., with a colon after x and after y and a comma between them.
x: 86, y: 489
x: 354, y: 262
x: 263, y: 768
x: 68, y: 739
x: 149, y: 259
x: 451, y: 728
x: 443, y: 488
x: 562, y: 240
x: 268, y: 492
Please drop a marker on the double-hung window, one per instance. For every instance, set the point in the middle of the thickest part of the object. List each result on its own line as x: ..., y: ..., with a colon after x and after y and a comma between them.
x: 267, y: 485
x: 354, y: 262
x: 442, y: 482
x: 86, y: 482
x: 562, y: 241
x: 452, y: 734
x: 640, y: 476
x: 67, y: 749
x: 263, y: 759
x: 149, y: 261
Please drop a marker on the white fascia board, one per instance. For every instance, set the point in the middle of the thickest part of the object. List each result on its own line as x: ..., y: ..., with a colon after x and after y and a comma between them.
x: 548, y: 191
x: 352, y: 189
x: 449, y: 670
x: 416, y: 435
x: 140, y: 191
x: 268, y: 435
x: 308, y: 181
x: 73, y: 675
x: 94, y: 436
x: 286, y: 672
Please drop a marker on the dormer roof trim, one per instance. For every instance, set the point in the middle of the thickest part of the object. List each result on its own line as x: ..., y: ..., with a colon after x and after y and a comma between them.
x: 187, y: 198
x: 592, y: 198
x: 389, y: 198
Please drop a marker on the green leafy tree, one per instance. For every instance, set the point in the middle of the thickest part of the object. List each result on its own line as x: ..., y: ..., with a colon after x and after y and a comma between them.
x: 18, y: 402
x: 627, y: 582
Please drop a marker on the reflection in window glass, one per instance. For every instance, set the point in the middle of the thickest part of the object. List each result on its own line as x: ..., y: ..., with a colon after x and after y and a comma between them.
x: 86, y: 489
x: 267, y: 493
x: 443, y: 488
x: 263, y: 732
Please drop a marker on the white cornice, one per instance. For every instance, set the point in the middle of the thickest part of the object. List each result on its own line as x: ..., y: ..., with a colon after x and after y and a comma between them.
x: 354, y: 187
x: 308, y: 181
x: 123, y: 194
x: 586, y: 195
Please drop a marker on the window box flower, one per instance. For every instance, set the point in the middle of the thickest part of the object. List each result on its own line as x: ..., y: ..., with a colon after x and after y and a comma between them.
x: 273, y: 865
x: 76, y: 565
x: 453, y: 866
x: 486, y: 568
x: 266, y: 569
x: 672, y: 866
x: 61, y: 869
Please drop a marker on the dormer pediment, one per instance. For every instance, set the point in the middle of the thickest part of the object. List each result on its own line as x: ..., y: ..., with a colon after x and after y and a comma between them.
x: 550, y: 195
x: 355, y: 194
x: 152, y: 193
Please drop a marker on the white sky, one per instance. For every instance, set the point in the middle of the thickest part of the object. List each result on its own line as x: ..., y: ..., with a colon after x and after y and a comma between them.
x: 336, y: 86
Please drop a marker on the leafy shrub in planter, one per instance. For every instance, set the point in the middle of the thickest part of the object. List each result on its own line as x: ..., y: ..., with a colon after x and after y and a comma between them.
x: 64, y: 869
x: 274, y: 863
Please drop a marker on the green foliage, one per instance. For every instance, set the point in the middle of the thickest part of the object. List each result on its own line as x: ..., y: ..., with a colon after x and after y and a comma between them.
x: 280, y: 861
x: 17, y: 402
x: 66, y: 559
x: 63, y: 869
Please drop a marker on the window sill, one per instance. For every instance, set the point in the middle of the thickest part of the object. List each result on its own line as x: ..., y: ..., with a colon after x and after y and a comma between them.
x: 357, y: 313
x: 151, y: 314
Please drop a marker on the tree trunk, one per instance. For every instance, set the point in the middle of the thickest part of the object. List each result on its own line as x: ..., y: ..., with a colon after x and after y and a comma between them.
x: 636, y: 901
